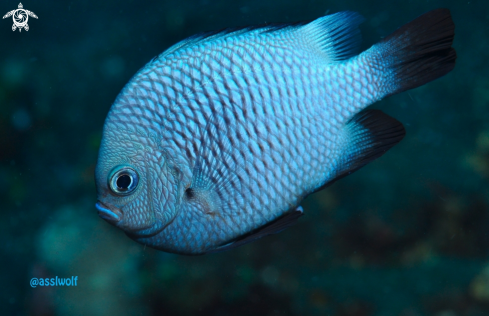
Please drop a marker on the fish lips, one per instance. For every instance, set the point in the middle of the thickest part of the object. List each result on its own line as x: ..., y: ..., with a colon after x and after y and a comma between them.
x: 111, y: 214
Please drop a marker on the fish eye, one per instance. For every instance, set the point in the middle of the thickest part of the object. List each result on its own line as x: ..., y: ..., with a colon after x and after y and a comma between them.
x: 123, y: 180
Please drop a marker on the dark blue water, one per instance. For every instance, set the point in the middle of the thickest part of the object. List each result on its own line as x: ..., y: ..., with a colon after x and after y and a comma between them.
x: 406, y: 235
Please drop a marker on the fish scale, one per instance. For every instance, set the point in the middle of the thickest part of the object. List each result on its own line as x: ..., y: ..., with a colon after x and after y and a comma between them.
x: 284, y: 182
x: 270, y: 90
x: 235, y: 128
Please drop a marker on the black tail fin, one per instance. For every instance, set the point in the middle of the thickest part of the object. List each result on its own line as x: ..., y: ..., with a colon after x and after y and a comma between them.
x: 419, y: 51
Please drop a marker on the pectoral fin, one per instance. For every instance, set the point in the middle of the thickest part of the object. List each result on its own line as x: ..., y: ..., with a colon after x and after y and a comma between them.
x: 216, y: 184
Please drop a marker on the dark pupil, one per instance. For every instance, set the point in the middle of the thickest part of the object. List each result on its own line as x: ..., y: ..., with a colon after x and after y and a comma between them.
x: 123, y: 181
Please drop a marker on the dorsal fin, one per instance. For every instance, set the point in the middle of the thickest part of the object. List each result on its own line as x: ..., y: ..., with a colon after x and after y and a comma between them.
x: 336, y: 36
x: 230, y: 31
x: 274, y: 227
x: 368, y: 135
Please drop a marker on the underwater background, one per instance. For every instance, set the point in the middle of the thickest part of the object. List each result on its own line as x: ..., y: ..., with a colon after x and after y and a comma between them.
x: 406, y: 235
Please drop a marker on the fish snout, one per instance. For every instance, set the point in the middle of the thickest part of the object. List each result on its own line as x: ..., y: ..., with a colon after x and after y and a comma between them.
x: 110, y: 214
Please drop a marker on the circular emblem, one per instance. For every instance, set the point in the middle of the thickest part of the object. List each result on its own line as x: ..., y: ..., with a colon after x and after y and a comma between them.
x: 20, y: 18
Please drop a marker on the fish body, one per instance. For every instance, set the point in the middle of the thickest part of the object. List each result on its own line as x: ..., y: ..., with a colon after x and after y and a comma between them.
x: 215, y: 142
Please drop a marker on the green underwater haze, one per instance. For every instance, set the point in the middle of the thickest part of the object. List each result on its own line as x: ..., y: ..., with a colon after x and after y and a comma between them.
x: 406, y: 235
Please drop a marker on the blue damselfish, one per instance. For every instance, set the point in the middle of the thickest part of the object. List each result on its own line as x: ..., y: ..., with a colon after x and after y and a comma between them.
x: 215, y: 142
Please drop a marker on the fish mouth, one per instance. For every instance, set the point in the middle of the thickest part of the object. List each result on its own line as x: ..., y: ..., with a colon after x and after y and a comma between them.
x: 110, y: 214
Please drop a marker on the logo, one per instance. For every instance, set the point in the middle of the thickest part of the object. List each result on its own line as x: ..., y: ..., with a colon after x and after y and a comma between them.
x: 20, y: 17
x: 54, y: 281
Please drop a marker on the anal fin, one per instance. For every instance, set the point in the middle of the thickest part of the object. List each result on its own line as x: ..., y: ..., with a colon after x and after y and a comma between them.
x: 369, y: 135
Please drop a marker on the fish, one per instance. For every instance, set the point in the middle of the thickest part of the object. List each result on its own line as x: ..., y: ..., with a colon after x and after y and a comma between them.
x: 215, y: 142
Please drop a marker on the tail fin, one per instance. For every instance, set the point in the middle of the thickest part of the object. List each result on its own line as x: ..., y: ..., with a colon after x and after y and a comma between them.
x: 418, y: 52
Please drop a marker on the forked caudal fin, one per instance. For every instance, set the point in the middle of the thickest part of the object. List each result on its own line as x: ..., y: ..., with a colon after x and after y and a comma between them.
x: 417, y: 53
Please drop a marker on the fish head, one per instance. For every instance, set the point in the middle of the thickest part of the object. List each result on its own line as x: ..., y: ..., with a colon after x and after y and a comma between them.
x: 137, y: 187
